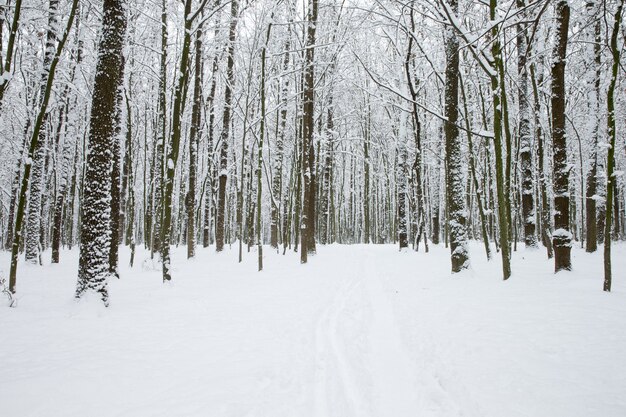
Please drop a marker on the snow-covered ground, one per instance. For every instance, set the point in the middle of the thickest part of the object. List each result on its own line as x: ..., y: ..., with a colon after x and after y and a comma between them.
x: 359, y: 331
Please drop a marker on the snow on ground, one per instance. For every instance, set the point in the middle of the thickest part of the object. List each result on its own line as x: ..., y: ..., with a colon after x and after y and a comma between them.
x: 359, y: 331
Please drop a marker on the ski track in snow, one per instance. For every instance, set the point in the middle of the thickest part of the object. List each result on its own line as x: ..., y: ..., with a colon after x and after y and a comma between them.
x: 360, y: 331
x: 393, y: 389
x: 332, y: 364
x: 394, y: 386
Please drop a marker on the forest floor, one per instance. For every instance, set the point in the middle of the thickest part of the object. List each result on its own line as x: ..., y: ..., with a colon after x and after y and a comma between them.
x: 360, y: 330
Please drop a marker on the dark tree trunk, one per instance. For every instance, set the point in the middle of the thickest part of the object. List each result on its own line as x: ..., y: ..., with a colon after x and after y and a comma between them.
x: 525, y: 151
x: 420, y: 215
x: 194, y: 139
x: 225, y: 136
x: 592, y: 180
x: 498, y: 115
x: 366, y: 174
x: 455, y: 189
x: 307, y: 243
x: 610, y: 160
x: 561, y: 237
x: 209, y: 201
x: 326, y: 176
x: 403, y: 238
x: 172, y: 157
x: 93, y: 267
x: 159, y: 149
x: 259, y: 190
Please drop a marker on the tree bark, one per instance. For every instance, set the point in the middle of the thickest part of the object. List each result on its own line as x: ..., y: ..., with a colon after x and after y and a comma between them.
x: 591, y: 244
x: 115, y: 185
x: 455, y: 189
x: 172, y: 157
x: 501, y: 187
x: 194, y: 139
x: 610, y: 159
x: 225, y: 136
x: 307, y: 243
x: 93, y: 267
x: 561, y: 237
x: 525, y: 151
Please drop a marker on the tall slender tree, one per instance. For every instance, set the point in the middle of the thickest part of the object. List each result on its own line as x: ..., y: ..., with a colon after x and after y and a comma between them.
x: 307, y: 243
x: 259, y: 189
x: 277, y: 180
x: 591, y: 226
x: 525, y: 151
x: 174, y: 147
x: 455, y: 187
x: 226, y: 120
x: 561, y: 237
x: 610, y: 158
x: 159, y: 148
x: 209, y: 201
x: 194, y: 139
x: 37, y: 183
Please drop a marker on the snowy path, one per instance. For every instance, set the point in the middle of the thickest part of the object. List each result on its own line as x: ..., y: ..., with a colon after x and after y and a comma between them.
x: 391, y: 389
x: 359, y: 331
x: 394, y: 392
x: 333, y: 374
x: 385, y: 382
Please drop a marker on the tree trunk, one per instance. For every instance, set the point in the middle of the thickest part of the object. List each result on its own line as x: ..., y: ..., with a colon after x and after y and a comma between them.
x: 115, y: 186
x: 159, y: 149
x: 401, y: 181
x: 366, y: 174
x: 592, y: 180
x: 561, y: 237
x: 277, y: 180
x: 225, y: 136
x: 194, y: 139
x: 472, y: 166
x: 33, y: 228
x: 610, y: 161
x: 307, y: 243
x: 172, y: 157
x: 326, y: 175
x: 93, y: 269
x: 455, y: 189
x: 259, y: 190
x: 525, y: 151
x: 209, y: 201
x: 503, y: 201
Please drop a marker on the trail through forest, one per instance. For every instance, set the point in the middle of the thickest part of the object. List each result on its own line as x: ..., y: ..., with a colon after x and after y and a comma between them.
x: 361, y: 330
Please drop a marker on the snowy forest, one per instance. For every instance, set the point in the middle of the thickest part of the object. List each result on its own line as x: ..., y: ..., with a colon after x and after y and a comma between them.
x: 304, y: 170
